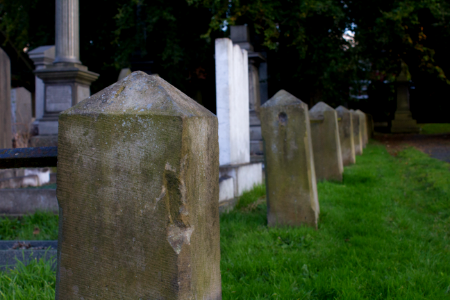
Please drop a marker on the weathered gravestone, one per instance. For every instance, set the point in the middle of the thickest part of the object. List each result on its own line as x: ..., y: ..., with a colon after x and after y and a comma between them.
x: 325, y: 142
x: 138, y: 169
x: 5, y: 101
x: 21, y: 111
x: 346, y: 135
x: 290, y: 176
x: 363, y: 127
x: 357, y: 132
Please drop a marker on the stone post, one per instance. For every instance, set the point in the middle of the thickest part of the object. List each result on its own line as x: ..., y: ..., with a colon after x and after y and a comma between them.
x: 289, y: 164
x: 325, y: 142
x: 67, y: 81
x: 138, y: 169
x: 403, y: 121
x: 346, y: 135
x: 42, y: 57
x: 363, y: 125
x: 5, y: 101
x: 357, y: 133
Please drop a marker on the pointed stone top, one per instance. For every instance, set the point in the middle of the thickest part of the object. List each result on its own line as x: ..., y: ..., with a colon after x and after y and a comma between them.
x: 140, y: 94
x: 283, y: 98
x: 316, y: 112
x: 360, y: 112
x: 342, y: 108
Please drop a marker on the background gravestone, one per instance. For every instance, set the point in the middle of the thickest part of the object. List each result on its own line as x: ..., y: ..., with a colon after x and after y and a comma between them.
x: 21, y: 111
x: 325, y: 142
x: 291, y: 181
x: 357, y: 133
x: 138, y: 169
x: 346, y: 135
x: 363, y: 127
x: 5, y: 101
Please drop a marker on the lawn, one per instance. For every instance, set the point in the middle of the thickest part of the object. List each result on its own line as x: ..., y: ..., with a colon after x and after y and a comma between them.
x: 383, y: 234
x: 435, y: 128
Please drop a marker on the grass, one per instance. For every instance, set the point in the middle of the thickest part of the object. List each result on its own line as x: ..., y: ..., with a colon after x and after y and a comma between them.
x: 38, y: 226
x: 435, y: 128
x: 383, y: 234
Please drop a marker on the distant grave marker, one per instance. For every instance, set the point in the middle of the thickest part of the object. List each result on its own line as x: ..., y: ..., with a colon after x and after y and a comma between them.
x: 346, y: 135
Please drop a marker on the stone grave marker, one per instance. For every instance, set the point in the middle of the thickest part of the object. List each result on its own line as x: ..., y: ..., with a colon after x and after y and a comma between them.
x: 290, y: 175
x: 5, y: 101
x: 325, y: 142
x: 21, y: 111
x: 346, y: 135
x: 363, y: 125
x: 357, y: 133
x: 137, y: 185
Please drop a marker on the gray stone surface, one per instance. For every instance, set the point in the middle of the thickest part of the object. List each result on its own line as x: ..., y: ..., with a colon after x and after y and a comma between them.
x: 346, y: 135
x: 363, y: 127
x: 325, y: 142
x: 289, y: 163
x: 18, y: 202
x: 21, y: 111
x: 357, y: 133
x: 19, y: 182
x: 67, y: 32
x: 9, y: 256
x: 5, y: 101
x: 138, y: 169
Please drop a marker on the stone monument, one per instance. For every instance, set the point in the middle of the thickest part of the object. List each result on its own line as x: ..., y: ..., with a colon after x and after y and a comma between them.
x: 325, y: 142
x: 5, y: 101
x: 363, y: 125
x: 403, y: 121
x: 232, y: 98
x: 67, y: 81
x: 289, y: 163
x: 357, y: 133
x: 138, y: 169
x: 346, y: 135
x: 21, y: 114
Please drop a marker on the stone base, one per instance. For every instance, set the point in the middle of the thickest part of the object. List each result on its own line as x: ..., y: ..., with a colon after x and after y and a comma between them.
x: 243, y: 176
x: 19, y: 202
x: 9, y: 256
x: 44, y: 141
x: 405, y: 126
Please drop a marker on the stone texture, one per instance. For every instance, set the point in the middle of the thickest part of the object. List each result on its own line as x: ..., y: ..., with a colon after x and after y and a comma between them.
x: 403, y: 121
x: 245, y: 176
x: 357, y: 133
x: 5, y: 101
x: 346, y: 135
x: 21, y: 110
x: 138, y: 169
x: 232, y: 102
x: 290, y: 175
x: 325, y: 142
x: 17, y: 202
x: 363, y: 127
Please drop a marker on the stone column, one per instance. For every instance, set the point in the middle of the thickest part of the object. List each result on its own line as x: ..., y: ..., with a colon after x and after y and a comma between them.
x: 346, y: 135
x: 5, y: 101
x: 289, y: 164
x: 403, y: 121
x: 357, y: 133
x: 325, y: 141
x: 138, y: 169
x: 67, y: 82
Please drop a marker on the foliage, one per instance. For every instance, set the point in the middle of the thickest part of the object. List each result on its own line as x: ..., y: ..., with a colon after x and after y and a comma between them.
x: 38, y: 226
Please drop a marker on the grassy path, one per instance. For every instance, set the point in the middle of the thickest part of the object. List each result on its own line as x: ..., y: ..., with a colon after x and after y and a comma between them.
x: 384, y: 233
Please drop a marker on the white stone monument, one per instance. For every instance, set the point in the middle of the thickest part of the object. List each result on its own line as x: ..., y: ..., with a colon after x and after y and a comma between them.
x: 232, y: 90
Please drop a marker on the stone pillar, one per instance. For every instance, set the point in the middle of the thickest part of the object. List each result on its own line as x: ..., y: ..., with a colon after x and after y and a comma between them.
x: 21, y: 112
x: 357, y: 133
x: 363, y: 125
x: 403, y: 121
x: 346, y: 135
x: 289, y: 164
x: 240, y: 35
x: 42, y: 57
x: 232, y: 102
x: 138, y: 168
x: 325, y: 142
x: 67, y: 82
x: 5, y: 101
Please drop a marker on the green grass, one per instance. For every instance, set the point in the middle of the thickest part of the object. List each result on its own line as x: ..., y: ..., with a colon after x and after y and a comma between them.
x: 435, y: 128
x: 39, y: 226
x: 384, y: 233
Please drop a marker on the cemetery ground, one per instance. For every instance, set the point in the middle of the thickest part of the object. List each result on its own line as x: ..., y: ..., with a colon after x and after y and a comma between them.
x: 383, y: 234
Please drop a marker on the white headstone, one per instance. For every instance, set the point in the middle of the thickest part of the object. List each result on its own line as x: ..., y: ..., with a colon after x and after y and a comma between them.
x: 232, y: 102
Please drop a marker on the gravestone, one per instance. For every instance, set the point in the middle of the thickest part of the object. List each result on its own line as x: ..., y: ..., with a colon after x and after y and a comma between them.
x: 357, y: 133
x: 346, y: 135
x: 138, y: 169
x: 124, y: 73
x: 363, y: 127
x: 325, y: 142
x: 403, y: 121
x: 289, y: 164
x: 21, y: 111
x: 5, y: 101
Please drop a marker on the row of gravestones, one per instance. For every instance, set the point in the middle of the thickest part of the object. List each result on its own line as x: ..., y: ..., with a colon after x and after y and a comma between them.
x: 303, y: 147
x: 138, y: 165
